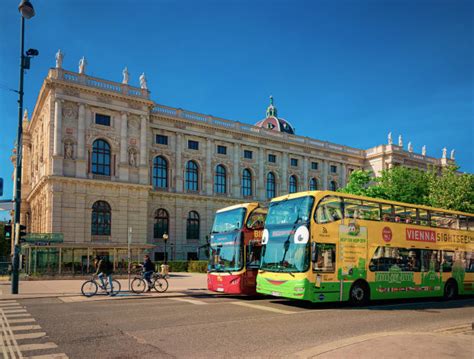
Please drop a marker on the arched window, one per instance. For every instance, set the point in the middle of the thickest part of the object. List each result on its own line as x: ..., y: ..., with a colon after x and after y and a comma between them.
x: 271, y: 185
x: 313, y: 184
x: 220, y: 180
x: 246, y: 183
x: 101, y: 158
x: 192, y: 176
x: 162, y: 223
x: 293, y: 187
x: 332, y: 186
x: 101, y: 219
x: 192, y: 225
x: 160, y: 172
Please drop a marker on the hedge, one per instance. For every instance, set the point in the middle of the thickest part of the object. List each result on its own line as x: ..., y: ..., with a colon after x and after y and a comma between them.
x: 184, y: 266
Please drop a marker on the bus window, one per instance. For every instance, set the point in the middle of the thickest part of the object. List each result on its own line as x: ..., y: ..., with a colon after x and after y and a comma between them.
x: 387, y: 212
x: 442, y: 220
x: 423, y: 218
x: 370, y: 211
x: 399, y: 214
x: 447, y: 261
x: 254, y: 253
x: 463, y: 223
x: 469, y: 264
x: 410, y: 215
x: 384, y: 258
x: 329, y: 210
x: 256, y: 219
x: 430, y: 260
x: 471, y: 223
x: 326, y: 257
x: 352, y: 208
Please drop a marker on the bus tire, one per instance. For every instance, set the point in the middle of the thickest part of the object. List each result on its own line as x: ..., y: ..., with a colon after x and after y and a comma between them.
x: 450, y: 289
x: 359, y: 294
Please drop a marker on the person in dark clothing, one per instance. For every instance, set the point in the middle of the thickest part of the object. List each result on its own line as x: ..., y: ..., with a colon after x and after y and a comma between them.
x: 148, y: 268
x: 104, y: 268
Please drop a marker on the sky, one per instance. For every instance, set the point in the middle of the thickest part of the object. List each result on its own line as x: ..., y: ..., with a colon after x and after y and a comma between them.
x: 344, y: 71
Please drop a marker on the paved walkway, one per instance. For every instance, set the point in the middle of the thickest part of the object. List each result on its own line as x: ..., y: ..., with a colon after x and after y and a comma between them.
x: 180, y: 284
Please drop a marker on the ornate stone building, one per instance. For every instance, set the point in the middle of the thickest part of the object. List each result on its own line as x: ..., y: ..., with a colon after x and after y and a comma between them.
x: 101, y: 157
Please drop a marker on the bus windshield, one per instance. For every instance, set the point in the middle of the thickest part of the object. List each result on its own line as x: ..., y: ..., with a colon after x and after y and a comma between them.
x: 226, y: 252
x: 228, y: 221
x: 282, y: 252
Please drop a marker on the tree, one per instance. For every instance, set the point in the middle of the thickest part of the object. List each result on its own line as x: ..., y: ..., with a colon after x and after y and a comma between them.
x: 358, y: 183
x: 451, y: 190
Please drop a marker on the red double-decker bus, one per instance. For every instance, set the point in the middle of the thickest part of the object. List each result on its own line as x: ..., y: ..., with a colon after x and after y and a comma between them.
x: 235, y: 248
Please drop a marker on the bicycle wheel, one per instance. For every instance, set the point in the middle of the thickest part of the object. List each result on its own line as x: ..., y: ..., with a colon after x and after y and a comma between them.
x: 160, y: 284
x: 115, y: 289
x: 89, y: 288
x: 138, y: 285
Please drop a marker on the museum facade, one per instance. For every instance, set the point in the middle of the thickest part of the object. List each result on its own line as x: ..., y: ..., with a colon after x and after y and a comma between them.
x: 104, y: 164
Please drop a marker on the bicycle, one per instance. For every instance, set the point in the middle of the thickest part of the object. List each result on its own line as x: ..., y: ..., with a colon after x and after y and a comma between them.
x: 90, y: 287
x: 158, y: 283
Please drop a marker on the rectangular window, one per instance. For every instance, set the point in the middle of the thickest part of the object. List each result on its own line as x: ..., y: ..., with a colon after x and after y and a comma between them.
x: 333, y: 169
x: 352, y: 208
x: 103, y: 120
x: 248, y: 154
x: 193, y: 145
x: 422, y: 218
x: 162, y: 139
x: 387, y: 212
x: 370, y: 211
x: 272, y: 158
x: 294, y: 162
x: 314, y: 165
x: 222, y: 150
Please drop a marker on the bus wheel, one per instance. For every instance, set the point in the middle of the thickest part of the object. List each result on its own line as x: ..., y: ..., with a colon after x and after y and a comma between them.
x: 450, y: 290
x: 359, y: 294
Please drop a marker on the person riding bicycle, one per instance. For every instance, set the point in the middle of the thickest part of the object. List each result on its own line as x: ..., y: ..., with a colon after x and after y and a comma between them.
x: 148, y: 268
x: 104, y: 268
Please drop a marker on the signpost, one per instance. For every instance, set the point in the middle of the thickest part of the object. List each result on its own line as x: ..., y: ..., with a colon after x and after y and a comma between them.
x: 129, y: 242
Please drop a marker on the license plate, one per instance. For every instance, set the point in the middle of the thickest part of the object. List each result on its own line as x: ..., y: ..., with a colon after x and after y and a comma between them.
x: 276, y: 294
x: 220, y: 289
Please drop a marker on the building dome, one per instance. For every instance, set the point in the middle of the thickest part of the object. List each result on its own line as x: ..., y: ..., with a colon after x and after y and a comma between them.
x: 273, y: 123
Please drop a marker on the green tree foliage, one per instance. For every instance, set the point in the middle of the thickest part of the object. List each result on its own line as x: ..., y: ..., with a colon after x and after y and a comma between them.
x: 452, y: 190
x: 447, y: 189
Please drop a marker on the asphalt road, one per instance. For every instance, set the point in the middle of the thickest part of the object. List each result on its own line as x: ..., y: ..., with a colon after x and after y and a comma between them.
x: 213, y: 326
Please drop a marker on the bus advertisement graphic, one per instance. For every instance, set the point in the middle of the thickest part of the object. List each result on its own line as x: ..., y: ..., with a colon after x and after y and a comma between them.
x: 352, y: 251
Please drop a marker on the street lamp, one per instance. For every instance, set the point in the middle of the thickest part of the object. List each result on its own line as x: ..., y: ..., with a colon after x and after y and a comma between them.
x: 165, y: 239
x: 27, y: 12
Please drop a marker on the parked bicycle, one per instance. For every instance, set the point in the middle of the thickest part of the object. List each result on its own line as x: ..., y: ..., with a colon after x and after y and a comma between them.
x: 158, y: 283
x: 91, y: 287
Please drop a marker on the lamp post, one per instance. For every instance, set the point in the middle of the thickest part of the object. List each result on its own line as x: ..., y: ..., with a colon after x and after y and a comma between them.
x: 27, y: 12
x: 165, y: 239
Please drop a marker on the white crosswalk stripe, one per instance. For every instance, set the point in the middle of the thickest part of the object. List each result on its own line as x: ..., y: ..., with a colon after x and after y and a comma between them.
x: 20, y: 335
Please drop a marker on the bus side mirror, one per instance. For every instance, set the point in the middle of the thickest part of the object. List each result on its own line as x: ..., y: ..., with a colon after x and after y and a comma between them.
x: 314, y: 252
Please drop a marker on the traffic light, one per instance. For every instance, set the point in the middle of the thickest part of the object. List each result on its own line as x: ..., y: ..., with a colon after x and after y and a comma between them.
x: 22, y: 232
x: 7, y: 232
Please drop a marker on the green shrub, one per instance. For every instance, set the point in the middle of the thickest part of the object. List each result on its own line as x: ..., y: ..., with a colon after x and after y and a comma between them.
x: 175, y: 266
x: 197, y: 266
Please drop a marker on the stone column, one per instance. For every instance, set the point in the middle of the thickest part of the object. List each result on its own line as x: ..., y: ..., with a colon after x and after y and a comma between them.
x: 324, y: 171
x: 236, y: 172
x: 58, y: 119
x: 261, y: 175
x: 208, y: 178
x: 144, y: 178
x: 343, y: 175
x: 81, y: 163
x: 123, y: 138
x: 284, y: 174
x: 305, y: 175
x: 178, y: 161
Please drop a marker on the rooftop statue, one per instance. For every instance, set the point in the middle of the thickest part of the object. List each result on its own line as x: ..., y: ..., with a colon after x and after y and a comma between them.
x: 59, y: 59
x: 82, y: 65
x: 423, y: 150
x: 390, y: 141
x: 125, y: 76
x: 410, y: 147
x: 143, y: 82
x: 452, y: 154
x: 400, y: 141
x: 444, y: 153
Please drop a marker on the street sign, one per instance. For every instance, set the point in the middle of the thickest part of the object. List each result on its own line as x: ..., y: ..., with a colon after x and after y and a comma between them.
x: 44, y: 238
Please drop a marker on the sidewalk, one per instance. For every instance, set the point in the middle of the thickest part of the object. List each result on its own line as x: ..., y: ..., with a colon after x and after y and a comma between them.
x: 180, y: 284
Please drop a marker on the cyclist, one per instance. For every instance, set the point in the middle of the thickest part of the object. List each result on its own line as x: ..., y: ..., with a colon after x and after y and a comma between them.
x: 104, y: 268
x: 148, y: 269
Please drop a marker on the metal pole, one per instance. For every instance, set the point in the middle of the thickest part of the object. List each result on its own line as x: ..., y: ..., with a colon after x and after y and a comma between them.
x: 19, y: 140
x: 166, y: 254
x: 129, y: 242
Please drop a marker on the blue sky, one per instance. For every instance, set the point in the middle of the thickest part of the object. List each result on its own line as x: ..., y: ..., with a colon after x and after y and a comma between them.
x: 342, y: 71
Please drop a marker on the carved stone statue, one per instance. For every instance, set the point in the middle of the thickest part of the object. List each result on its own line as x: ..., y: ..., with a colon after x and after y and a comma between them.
x: 25, y: 115
x: 143, y: 84
x: 125, y: 76
x: 132, y: 158
x: 452, y: 154
x: 410, y: 147
x: 59, y: 59
x: 82, y: 65
x: 68, y: 151
x: 423, y: 150
x: 400, y: 141
x: 444, y: 153
x: 390, y: 141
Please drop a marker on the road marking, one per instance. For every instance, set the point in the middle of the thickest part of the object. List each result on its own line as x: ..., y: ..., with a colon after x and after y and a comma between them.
x: 459, y: 329
x: 17, y: 315
x: 9, y: 305
x: 14, y: 311
x: 25, y: 327
x: 192, y: 301
x: 39, y: 346
x: 34, y: 335
x: 21, y: 320
x: 49, y: 356
x: 7, y: 339
x: 261, y: 307
x: 8, y: 301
